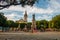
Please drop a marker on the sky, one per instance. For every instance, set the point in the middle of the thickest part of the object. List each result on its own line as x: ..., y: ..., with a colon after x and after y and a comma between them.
x: 43, y: 10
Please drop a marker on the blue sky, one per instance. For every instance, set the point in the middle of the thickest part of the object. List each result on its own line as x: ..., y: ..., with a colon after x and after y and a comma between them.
x: 43, y: 10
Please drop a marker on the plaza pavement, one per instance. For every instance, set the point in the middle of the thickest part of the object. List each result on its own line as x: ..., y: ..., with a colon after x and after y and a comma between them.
x: 29, y: 36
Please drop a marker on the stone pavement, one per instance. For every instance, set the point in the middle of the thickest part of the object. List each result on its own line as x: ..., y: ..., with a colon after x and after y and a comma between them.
x: 30, y: 36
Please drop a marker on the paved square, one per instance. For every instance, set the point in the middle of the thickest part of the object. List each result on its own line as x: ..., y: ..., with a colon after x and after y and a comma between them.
x: 30, y: 36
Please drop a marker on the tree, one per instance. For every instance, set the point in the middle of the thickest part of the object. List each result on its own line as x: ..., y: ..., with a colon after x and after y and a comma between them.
x: 44, y: 24
x: 22, y: 25
x: 2, y: 19
x: 56, y: 21
x: 8, y: 3
x: 38, y: 24
x: 11, y: 23
x: 16, y: 2
x: 29, y: 25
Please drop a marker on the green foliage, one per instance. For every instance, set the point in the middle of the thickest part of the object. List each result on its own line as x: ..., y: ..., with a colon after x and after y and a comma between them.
x: 2, y: 19
x: 15, y: 2
x: 27, y: 2
x: 22, y: 25
x: 29, y: 25
x: 56, y: 21
x: 38, y: 24
x: 42, y: 24
x: 11, y: 23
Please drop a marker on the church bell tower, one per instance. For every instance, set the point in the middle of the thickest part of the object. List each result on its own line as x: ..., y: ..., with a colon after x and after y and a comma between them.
x: 25, y: 16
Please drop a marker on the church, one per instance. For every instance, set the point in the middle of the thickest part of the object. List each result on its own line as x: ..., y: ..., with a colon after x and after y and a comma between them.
x: 24, y: 20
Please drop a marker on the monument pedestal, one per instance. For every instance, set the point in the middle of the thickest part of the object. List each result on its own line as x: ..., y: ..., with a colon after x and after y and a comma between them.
x: 33, y: 29
x: 25, y: 28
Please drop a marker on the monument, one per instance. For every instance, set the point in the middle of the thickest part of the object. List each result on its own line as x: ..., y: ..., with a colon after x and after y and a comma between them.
x: 33, y: 26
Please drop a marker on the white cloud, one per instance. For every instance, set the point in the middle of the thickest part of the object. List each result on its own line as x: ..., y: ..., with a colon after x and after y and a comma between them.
x: 29, y: 19
x: 44, y: 17
x: 55, y: 5
x: 31, y: 9
x: 12, y: 16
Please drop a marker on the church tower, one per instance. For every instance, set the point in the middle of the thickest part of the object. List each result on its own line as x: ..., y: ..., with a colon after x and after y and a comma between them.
x: 25, y: 20
x: 25, y: 16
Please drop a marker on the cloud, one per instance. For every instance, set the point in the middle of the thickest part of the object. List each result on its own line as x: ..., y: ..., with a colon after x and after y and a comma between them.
x: 29, y: 19
x: 10, y: 16
x: 30, y: 9
x: 13, y: 16
x: 44, y: 17
x: 55, y: 5
x: 51, y: 10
